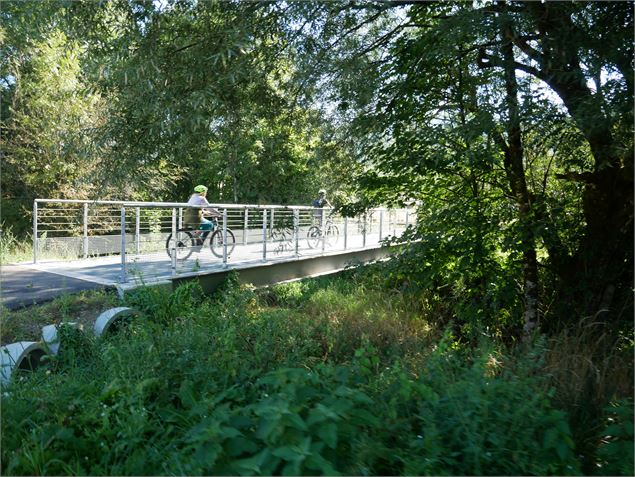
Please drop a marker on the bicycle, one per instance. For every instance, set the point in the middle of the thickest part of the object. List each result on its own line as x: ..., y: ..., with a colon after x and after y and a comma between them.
x: 283, y: 234
x: 186, y: 241
x: 330, y: 236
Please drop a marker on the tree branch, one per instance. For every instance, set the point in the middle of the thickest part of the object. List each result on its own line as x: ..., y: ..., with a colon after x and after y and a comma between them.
x: 526, y: 48
x: 355, y: 28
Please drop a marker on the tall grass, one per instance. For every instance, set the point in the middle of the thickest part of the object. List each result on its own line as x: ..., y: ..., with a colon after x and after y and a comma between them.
x: 591, y: 367
x: 15, y: 248
x: 327, y: 376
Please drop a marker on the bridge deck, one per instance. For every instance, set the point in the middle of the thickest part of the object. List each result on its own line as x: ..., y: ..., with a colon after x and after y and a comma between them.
x: 157, y: 267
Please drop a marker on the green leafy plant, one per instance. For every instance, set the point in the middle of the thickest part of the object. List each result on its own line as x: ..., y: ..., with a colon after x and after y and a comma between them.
x: 615, y: 453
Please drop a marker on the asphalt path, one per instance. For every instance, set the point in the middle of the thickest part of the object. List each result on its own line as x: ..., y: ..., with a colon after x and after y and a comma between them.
x: 21, y: 286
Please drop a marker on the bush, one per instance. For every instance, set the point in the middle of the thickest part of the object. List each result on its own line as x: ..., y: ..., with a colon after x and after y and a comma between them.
x: 615, y: 454
x: 340, y: 383
x: 162, y: 305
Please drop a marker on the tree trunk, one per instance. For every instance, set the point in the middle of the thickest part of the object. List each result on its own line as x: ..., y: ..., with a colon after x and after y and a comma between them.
x: 604, y: 260
x: 518, y: 184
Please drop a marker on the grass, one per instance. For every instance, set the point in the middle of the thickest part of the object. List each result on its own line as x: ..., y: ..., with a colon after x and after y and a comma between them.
x: 26, y: 324
x: 590, y: 365
x: 324, y: 376
x: 14, y: 249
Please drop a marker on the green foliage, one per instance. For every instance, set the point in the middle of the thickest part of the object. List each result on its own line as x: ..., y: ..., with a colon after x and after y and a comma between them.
x: 161, y: 305
x: 117, y: 101
x: 615, y: 453
x: 47, y: 137
x: 77, y: 347
x: 234, y: 385
x: 15, y: 248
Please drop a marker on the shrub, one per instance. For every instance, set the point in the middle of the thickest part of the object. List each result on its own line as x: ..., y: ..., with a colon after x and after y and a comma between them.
x: 344, y: 381
x: 163, y: 305
x: 615, y: 454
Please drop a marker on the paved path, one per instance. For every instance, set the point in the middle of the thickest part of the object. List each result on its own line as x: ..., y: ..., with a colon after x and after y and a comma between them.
x: 21, y: 286
x: 26, y: 284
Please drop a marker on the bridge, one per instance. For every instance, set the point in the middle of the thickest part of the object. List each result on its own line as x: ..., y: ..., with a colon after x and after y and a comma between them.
x: 125, y: 244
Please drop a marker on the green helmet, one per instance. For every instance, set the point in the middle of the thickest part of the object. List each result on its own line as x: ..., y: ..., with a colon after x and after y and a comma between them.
x: 200, y: 189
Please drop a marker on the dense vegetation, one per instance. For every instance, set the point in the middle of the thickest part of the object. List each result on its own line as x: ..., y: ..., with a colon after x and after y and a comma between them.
x: 329, y: 376
x: 508, y: 124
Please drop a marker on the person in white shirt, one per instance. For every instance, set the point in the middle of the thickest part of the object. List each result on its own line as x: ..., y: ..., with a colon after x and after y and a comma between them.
x: 194, y: 217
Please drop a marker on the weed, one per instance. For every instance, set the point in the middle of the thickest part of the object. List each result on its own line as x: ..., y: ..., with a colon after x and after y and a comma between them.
x: 329, y: 376
x: 14, y: 248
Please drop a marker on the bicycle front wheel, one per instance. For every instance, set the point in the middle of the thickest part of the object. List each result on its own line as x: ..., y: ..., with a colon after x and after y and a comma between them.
x: 182, y: 244
x: 313, y: 236
x: 216, y: 243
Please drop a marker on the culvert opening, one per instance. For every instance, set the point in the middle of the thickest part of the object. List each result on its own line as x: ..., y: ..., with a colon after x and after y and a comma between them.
x: 31, y: 361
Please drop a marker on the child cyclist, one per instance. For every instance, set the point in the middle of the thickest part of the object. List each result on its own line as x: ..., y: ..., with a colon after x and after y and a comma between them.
x: 194, y: 217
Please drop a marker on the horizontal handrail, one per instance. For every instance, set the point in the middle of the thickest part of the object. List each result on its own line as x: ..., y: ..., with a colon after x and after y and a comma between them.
x: 171, y: 204
x: 185, y: 204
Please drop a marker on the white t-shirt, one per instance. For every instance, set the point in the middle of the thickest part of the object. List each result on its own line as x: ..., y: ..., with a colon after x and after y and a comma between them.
x: 197, y: 199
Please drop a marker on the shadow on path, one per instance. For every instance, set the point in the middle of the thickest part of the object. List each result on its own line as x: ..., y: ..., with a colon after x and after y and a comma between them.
x: 21, y: 287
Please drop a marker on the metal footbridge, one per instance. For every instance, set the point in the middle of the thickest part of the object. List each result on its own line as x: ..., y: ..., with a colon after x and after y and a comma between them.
x: 126, y: 244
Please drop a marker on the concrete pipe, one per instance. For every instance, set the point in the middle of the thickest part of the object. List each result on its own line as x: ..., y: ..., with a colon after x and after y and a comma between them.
x: 21, y: 355
x: 105, y: 321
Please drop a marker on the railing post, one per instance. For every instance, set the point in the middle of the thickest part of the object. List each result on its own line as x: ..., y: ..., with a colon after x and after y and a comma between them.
x: 174, y: 241
x: 323, y: 229
x: 225, y: 237
x: 35, y: 239
x: 180, y: 217
x: 246, y: 225
x: 296, y: 230
x: 406, y: 218
x: 264, y: 235
x: 381, y: 223
x: 124, y: 271
x: 85, y: 232
x: 364, y: 231
x: 394, y: 222
x: 137, y: 230
x: 272, y: 223
x: 345, y: 233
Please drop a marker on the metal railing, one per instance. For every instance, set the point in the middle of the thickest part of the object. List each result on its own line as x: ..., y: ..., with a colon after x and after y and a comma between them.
x: 148, y: 240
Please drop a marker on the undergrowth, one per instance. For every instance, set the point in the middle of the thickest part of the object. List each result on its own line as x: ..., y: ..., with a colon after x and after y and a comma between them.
x: 26, y: 324
x: 325, y: 376
x: 14, y: 248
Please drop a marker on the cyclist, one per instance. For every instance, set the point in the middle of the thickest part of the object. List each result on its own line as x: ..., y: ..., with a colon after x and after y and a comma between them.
x: 320, y: 203
x: 194, y: 217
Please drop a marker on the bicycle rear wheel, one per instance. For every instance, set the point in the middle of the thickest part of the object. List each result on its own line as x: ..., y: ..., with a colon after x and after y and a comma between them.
x: 313, y: 236
x: 217, y: 245
x: 182, y: 245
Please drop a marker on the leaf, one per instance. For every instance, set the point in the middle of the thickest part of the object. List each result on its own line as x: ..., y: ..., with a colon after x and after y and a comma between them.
x: 287, y: 453
x: 292, y: 468
x: 186, y: 394
x: 296, y: 422
x: 317, y: 462
x: 240, y: 445
x: 328, y: 433
x: 252, y: 465
x: 207, y: 453
x: 267, y: 427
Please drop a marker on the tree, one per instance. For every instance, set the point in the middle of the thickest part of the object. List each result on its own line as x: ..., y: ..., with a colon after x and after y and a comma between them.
x: 568, y: 45
x: 49, y: 122
x: 565, y: 46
